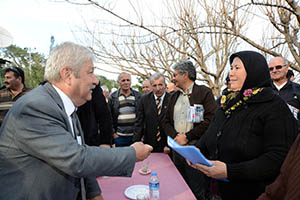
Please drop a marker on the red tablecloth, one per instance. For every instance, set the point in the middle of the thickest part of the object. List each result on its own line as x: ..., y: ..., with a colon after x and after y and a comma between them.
x: 172, y: 185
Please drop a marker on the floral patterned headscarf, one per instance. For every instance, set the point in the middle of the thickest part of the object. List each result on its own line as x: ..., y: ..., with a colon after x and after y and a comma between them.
x: 258, y: 77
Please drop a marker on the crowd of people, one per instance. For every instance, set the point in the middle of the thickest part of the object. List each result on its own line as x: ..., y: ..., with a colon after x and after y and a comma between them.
x: 57, y: 138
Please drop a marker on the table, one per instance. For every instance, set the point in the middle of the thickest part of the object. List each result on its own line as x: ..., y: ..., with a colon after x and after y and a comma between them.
x: 172, y: 185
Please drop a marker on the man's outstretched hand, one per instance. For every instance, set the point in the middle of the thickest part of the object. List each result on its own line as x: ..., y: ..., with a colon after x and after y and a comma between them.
x: 142, y: 150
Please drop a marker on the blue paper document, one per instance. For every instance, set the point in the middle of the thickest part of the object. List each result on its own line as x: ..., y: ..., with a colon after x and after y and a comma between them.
x: 191, y: 153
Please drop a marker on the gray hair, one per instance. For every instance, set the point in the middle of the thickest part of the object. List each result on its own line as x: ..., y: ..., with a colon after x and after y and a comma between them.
x: 119, y: 77
x: 156, y: 76
x: 67, y: 54
x: 186, y: 66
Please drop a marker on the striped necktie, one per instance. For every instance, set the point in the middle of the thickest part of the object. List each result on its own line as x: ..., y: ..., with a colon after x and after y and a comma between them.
x: 76, y: 125
x: 158, y: 106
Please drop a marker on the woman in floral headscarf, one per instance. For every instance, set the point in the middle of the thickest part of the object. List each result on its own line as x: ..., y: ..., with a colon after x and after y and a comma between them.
x: 251, y: 133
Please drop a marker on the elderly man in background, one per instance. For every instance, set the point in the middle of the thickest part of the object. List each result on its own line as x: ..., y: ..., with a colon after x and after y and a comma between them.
x: 14, y: 81
x: 42, y: 150
x: 171, y: 88
x: 123, y: 105
x: 288, y: 90
x: 185, y: 127
x: 147, y: 88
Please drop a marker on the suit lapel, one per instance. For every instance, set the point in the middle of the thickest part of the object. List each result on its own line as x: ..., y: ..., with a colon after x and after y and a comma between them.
x: 153, y: 103
x: 53, y: 93
x: 192, y: 98
x: 55, y: 96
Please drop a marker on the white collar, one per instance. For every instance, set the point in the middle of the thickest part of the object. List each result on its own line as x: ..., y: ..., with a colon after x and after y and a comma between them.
x: 280, y: 86
x: 68, y: 104
x: 161, y: 98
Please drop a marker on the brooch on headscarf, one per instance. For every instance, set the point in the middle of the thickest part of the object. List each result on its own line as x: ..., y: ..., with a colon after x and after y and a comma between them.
x: 247, y: 94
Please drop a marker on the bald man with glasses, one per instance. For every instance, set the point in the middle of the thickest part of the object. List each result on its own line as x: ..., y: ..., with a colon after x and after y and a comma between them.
x: 289, y: 91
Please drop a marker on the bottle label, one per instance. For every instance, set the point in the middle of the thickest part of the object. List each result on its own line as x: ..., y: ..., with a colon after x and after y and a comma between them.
x: 154, y: 186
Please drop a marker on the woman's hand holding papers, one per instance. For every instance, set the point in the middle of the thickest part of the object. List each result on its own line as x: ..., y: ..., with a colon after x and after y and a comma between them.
x: 217, y: 171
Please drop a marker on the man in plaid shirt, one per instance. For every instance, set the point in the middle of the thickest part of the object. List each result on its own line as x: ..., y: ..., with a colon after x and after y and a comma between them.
x: 13, y: 90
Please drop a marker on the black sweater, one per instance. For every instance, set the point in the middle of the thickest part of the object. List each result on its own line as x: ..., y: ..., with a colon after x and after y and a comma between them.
x: 253, y: 143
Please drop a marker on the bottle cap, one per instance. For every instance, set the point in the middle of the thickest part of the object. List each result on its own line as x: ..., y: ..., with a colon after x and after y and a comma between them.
x: 154, y: 174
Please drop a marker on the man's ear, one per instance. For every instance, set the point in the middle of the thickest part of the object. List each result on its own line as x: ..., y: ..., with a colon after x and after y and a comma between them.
x: 20, y: 79
x: 66, y: 75
x: 186, y: 74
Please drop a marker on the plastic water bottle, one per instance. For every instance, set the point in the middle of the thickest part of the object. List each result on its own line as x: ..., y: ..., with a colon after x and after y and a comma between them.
x: 154, y: 187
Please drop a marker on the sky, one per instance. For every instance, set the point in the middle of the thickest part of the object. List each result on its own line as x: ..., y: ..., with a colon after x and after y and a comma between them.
x: 32, y: 22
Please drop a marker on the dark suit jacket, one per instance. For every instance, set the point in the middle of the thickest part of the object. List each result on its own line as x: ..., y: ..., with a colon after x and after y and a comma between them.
x: 39, y: 157
x: 200, y: 95
x: 96, y: 120
x: 148, y: 121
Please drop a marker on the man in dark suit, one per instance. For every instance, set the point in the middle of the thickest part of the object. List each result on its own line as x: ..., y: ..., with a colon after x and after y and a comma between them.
x: 42, y: 150
x: 151, y: 111
x: 96, y: 120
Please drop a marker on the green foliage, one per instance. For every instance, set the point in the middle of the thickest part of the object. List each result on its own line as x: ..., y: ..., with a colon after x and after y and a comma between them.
x: 32, y: 64
x: 139, y: 85
x: 109, y: 83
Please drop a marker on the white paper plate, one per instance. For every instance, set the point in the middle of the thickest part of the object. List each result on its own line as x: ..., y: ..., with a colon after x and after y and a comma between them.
x: 132, y: 191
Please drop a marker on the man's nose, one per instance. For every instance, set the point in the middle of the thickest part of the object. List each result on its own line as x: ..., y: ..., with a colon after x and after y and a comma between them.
x: 95, y: 80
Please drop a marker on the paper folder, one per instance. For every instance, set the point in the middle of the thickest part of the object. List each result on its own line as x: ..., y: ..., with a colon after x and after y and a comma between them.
x: 191, y: 153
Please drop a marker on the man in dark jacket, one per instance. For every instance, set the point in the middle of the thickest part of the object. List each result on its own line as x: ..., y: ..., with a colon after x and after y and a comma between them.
x: 123, y: 105
x: 190, y: 98
x: 14, y: 81
x: 151, y: 111
x: 288, y: 90
x: 95, y: 120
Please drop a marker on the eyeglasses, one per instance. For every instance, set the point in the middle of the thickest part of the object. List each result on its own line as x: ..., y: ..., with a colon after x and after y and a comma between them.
x: 276, y: 67
x: 176, y: 74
